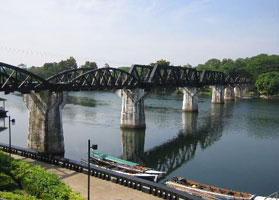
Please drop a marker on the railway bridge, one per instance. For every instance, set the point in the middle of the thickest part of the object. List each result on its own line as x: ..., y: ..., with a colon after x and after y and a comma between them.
x: 45, y: 98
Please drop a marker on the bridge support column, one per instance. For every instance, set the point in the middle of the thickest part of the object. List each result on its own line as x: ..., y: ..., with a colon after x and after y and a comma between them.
x: 132, y: 144
x: 45, y: 121
x: 245, y: 89
x: 217, y: 94
x: 238, y: 92
x: 132, y: 114
x: 229, y: 93
x: 190, y: 99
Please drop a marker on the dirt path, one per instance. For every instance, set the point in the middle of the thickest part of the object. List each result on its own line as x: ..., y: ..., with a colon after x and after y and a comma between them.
x: 100, y: 189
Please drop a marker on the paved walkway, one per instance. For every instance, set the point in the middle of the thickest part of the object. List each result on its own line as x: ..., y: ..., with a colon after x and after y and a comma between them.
x: 99, y: 190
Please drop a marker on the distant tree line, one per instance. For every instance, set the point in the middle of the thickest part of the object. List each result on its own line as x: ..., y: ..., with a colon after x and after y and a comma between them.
x: 50, y: 69
x: 263, y: 68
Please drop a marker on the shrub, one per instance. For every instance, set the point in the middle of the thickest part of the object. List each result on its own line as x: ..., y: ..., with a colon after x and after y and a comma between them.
x: 35, y: 180
x: 12, y: 196
x: 7, y: 183
x: 268, y: 83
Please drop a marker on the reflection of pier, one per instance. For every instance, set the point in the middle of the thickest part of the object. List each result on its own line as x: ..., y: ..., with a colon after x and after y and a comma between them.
x: 172, y: 154
x: 132, y: 144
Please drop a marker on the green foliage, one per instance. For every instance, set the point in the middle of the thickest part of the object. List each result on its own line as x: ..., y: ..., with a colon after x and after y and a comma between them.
x: 68, y: 64
x: 50, y: 69
x: 47, y: 70
x: 35, y: 180
x: 205, y: 92
x: 90, y: 65
x: 161, y: 62
x: 7, y: 183
x: 228, y: 66
x: 268, y: 83
x: 214, y: 63
x: 126, y: 69
x: 12, y: 196
x: 262, y: 63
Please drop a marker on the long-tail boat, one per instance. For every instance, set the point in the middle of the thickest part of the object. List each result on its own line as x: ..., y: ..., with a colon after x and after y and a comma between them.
x: 207, y: 191
x: 123, y: 166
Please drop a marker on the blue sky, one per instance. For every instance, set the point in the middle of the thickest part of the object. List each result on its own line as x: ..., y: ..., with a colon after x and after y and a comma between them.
x: 125, y: 32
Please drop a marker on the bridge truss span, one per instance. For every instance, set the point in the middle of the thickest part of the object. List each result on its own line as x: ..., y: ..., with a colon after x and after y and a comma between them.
x: 104, y: 79
x: 16, y: 79
x: 68, y: 75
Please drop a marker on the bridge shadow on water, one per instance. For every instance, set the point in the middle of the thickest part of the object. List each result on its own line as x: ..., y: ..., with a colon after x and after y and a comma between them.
x: 174, y: 153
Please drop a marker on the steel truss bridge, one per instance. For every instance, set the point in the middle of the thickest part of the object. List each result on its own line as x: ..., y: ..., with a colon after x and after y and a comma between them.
x: 146, y: 77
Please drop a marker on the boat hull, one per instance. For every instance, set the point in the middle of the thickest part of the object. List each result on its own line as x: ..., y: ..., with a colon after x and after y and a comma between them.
x: 147, y: 174
x: 208, y: 192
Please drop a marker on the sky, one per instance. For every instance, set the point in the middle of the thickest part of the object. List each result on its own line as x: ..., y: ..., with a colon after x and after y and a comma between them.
x: 126, y: 32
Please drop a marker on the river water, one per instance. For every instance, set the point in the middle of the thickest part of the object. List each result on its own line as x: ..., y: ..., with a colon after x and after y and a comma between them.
x: 234, y: 146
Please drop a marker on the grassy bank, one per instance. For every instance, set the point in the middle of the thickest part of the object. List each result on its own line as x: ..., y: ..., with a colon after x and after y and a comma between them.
x: 20, y: 180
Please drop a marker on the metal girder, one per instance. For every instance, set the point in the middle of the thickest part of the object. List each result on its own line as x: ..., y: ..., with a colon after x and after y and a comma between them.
x: 212, y: 78
x: 16, y: 79
x: 104, y: 79
x: 68, y: 75
x: 173, y: 76
x: 238, y: 81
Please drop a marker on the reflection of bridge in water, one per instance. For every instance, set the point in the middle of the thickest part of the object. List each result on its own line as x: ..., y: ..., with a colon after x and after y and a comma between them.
x: 179, y: 150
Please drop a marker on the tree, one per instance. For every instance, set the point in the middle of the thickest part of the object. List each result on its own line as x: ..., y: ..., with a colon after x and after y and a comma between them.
x: 268, y: 83
x: 23, y: 66
x: 90, y: 65
x: 213, y: 64
x: 68, y: 64
x: 262, y: 63
x: 106, y: 65
x: 187, y: 66
x: 161, y: 62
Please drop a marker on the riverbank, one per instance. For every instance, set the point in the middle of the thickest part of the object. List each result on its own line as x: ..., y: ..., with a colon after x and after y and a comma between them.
x: 99, y: 190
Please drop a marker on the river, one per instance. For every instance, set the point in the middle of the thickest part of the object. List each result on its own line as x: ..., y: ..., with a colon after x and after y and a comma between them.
x: 234, y: 146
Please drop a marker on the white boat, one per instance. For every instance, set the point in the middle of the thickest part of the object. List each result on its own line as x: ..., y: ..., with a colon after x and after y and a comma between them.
x: 124, y: 166
x: 212, y: 192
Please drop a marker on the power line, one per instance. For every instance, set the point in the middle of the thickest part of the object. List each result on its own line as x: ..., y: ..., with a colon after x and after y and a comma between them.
x: 56, y: 56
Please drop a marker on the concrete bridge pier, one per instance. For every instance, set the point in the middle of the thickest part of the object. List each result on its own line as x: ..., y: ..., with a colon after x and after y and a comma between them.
x: 132, y: 144
x: 217, y: 94
x: 246, y: 89
x: 238, y: 92
x: 132, y: 114
x: 190, y: 99
x: 45, y: 121
x: 229, y: 93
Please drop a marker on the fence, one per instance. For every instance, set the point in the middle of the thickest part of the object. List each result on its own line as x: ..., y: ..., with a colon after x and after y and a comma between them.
x: 146, y: 186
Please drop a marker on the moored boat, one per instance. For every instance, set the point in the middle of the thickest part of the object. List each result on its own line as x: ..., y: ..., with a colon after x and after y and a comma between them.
x: 124, y: 166
x: 207, y: 191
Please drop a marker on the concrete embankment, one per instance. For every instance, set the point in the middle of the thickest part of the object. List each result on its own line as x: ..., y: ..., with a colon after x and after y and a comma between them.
x: 99, y: 190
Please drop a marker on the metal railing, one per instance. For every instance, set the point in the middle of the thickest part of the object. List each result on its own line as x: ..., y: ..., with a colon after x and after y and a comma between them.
x: 146, y: 186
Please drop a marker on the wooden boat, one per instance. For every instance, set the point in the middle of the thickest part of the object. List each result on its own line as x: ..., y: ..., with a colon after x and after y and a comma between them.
x: 124, y: 166
x: 207, y: 191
